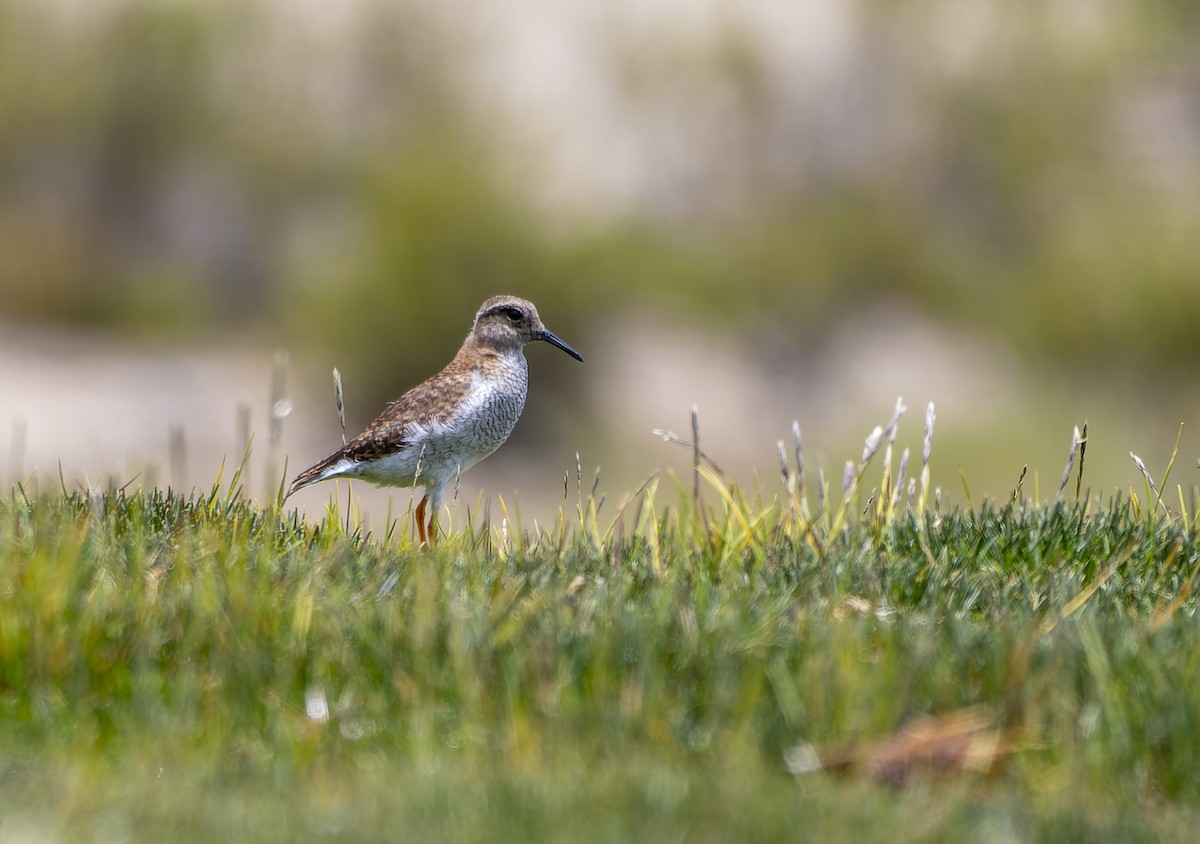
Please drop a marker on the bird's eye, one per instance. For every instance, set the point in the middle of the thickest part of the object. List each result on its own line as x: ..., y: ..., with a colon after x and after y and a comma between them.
x: 514, y: 314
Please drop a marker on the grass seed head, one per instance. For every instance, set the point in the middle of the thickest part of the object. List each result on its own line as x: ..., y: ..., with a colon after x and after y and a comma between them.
x: 1076, y: 440
x: 871, y: 445
x: 338, y: 397
x: 930, y: 418
x: 798, y: 448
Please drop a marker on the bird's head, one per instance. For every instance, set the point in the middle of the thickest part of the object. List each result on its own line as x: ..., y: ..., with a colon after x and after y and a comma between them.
x: 509, y: 321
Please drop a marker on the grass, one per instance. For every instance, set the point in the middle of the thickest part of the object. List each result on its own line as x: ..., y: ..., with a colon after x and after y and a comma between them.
x: 850, y: 664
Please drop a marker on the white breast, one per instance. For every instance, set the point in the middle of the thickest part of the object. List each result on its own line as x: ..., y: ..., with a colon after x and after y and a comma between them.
x: 439, y: 450
x: 487, y: 415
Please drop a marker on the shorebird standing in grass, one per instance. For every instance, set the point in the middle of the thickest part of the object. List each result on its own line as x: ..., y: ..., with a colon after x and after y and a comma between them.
x: 444, y: 426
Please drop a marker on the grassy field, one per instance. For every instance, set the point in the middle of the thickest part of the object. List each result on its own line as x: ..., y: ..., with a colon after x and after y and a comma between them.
x: 850, y: 665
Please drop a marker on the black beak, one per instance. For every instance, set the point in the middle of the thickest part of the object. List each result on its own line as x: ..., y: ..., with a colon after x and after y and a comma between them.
x: 554, y: 341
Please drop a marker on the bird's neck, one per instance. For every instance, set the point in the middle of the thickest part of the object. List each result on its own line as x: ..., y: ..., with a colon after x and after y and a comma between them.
x: 488, y: 345
x: 503, y: 342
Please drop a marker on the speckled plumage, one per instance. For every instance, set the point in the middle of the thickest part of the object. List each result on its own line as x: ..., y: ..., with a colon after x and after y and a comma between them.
x: 445, y: 425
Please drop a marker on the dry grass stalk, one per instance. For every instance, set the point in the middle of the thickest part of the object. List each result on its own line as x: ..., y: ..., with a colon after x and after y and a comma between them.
x: 1141, y: 467
x: 798, y: 449
x: 926, y: 451
x: 281, y: 405
x: 671, y: 437
x: 339, y: 398
x: 1076, y: 440
x: 1082, y: 453
x: 784, y: 468
x: 281, y: 408
x: 901, y: 475
x: 696, y: 456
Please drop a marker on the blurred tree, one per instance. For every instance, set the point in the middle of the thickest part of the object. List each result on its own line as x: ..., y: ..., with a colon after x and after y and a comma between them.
x: 1028, y: 169
x: 116, y: 201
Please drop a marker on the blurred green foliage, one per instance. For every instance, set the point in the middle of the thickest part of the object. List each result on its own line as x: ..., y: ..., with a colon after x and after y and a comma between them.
x: 177, y: 166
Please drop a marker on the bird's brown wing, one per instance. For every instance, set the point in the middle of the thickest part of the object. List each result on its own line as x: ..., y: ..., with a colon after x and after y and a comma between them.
x: 433, y: 400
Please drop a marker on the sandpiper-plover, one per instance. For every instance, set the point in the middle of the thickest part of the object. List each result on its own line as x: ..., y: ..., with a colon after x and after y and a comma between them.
x: 442, y: 427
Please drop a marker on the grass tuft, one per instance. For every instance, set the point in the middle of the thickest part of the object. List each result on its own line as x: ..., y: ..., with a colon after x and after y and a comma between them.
x: 196, y: 666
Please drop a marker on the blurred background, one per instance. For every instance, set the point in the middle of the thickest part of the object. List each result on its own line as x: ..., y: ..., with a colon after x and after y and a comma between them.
x: 773, y: 210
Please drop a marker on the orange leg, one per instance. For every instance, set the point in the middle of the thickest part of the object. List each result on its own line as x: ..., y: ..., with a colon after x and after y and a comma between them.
x: 432, y: 532
x: 421, y: 532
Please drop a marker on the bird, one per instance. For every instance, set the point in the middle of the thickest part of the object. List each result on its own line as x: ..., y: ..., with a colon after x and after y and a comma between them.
x: 448, y: 423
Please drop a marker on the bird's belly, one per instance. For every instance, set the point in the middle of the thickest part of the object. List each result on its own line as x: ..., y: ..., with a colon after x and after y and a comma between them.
x: 438, y: 453
x: 457, y: 446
